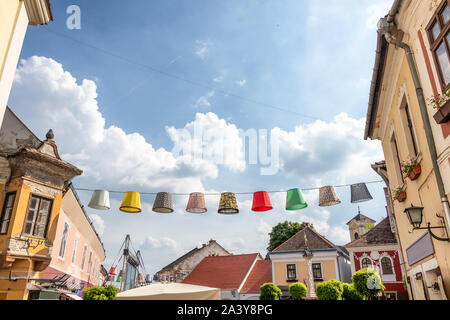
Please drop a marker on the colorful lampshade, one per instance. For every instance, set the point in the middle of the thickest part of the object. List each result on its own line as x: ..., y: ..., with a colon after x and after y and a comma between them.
x: 359, y: 193
x: 121, y: 273
x: 196, y: 203
x: 112, y: 271
x: 295, y: 200
x: 328, y: 197
x: 100, y: 200
x: 228, y: 203
x: 163, y: 203
x: 261, y: 201
x: 131, y: 202
x: 119, y: 279
x: 140, y: 278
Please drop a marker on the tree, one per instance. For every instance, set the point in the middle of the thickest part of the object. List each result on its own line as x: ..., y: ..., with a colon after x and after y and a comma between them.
x: 269, y: 291
x: 350, y: 293
x: 283, y: 231
x: 330, y: 290
x: 100, y: 293
x: 298, y: 290
x: 368, y: 283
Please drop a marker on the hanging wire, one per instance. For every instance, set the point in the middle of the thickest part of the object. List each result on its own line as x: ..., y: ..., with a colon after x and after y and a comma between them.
x: 189, y: 81
x: 218, y: 194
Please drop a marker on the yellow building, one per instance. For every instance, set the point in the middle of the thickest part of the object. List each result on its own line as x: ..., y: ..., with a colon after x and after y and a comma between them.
x: 15, y: 16
x: 33, y: 181
x: 289, y: 263
x: 412, y: 66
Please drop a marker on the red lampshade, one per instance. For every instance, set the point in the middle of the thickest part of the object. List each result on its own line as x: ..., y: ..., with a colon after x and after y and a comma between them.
x: 112, y: 271
x: 261, y: 201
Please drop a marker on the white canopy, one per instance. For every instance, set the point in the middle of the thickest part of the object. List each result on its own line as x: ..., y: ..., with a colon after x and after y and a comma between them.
x: 170, y: 291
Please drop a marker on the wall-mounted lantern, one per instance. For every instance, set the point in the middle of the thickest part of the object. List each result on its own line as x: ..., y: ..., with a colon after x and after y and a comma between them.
x: 415, y: 217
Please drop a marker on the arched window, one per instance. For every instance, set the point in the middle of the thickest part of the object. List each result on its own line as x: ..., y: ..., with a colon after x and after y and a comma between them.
x: 386, y: 266
x: 366, y: 263
x: 356, y: 235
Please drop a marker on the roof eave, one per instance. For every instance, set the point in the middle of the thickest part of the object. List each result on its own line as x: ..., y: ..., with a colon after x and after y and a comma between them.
x: 375, y: 86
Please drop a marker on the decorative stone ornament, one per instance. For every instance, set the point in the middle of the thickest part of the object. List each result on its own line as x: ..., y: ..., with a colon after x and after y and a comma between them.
x: 328, y: 197
x: 163, y: 203
x: 100, y: 200
x: 359, y: 193
x: 228, y: 203
x: 196, y: 203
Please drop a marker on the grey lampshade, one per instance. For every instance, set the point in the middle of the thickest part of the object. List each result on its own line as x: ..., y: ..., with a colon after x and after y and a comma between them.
x: 163, y: 203
x: 359, y: 193
x: 100, y: 200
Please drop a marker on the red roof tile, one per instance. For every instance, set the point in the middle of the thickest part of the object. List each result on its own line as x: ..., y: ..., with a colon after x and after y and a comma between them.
x: 223, y: 272
x: 261, y: 273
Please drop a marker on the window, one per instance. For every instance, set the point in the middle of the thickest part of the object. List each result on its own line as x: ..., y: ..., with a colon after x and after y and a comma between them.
x: 37, y: 217
x: 386, y: 266
x: 291, y: 272
x: 89, y: 263
x: 356, y: 235
x: 74, y: 253
x: 65, y: 235
x: 438, y: 34
x: 366, y: 263
x: 396, y: 159
x: 405, y: 116
x: 8, y: 205
x: 317, y: 270
x: 83, y: 258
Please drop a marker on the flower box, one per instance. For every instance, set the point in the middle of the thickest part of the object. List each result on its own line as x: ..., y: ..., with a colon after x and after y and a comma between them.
x: 443, y: 113
x: 402, y: 196
x: 415, y: 172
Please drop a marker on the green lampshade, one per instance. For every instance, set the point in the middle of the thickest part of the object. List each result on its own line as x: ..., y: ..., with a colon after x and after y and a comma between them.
x: 295, y: 200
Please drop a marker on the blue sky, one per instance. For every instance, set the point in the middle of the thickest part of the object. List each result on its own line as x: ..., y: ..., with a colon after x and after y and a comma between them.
x: 119, y: 121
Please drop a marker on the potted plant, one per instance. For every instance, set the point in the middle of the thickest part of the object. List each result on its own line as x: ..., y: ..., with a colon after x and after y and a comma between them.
x: 442, y: 104
x: 400, y: 194
x: 411, y: 169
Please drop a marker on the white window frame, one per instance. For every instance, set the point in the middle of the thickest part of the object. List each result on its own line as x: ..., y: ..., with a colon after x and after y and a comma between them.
x: 75, y: 249
x: 321, y: 269
x: 64, y: 239
x: 287, y: 273
x: 361, y: 262
x: 89, y: 263
x: 395, y: 153
x: 410, y: 138
x: 83, y: 258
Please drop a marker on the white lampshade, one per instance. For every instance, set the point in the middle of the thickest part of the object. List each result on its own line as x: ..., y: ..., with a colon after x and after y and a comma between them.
x: 100, y: 200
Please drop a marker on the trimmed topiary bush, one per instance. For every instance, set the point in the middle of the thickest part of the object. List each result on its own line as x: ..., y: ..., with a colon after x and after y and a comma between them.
x: 100, y: 293
x: 367, y: 282
x: 329, y: 290
x: 350, y: 292
x: 269, y: 291
x: 298, y: 290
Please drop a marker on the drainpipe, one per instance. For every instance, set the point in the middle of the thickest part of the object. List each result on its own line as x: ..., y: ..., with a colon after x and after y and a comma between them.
x: 385, y: 27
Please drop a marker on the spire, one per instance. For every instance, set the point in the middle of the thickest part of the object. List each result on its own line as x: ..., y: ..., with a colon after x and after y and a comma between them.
x: 50, y: 135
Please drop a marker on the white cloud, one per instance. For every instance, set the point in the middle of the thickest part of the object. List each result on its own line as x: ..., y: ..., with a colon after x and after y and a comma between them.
x: 108, y: 155
x: 322, y: 148
x: 203, y: 101
x: 376, y: 11
x: 165, y: 243
x: 203, y: 48
x: 218, y: 79
x: 98, y: 222
x: 241, y: 83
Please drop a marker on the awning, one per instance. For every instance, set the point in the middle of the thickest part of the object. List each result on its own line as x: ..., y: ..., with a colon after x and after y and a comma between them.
x: 170, y: 291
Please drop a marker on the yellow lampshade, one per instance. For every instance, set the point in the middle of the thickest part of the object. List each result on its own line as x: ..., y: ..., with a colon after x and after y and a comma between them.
x: 131, y: 202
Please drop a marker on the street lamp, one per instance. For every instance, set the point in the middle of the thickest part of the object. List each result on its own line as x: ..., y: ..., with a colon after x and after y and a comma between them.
x: 415, y: 216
